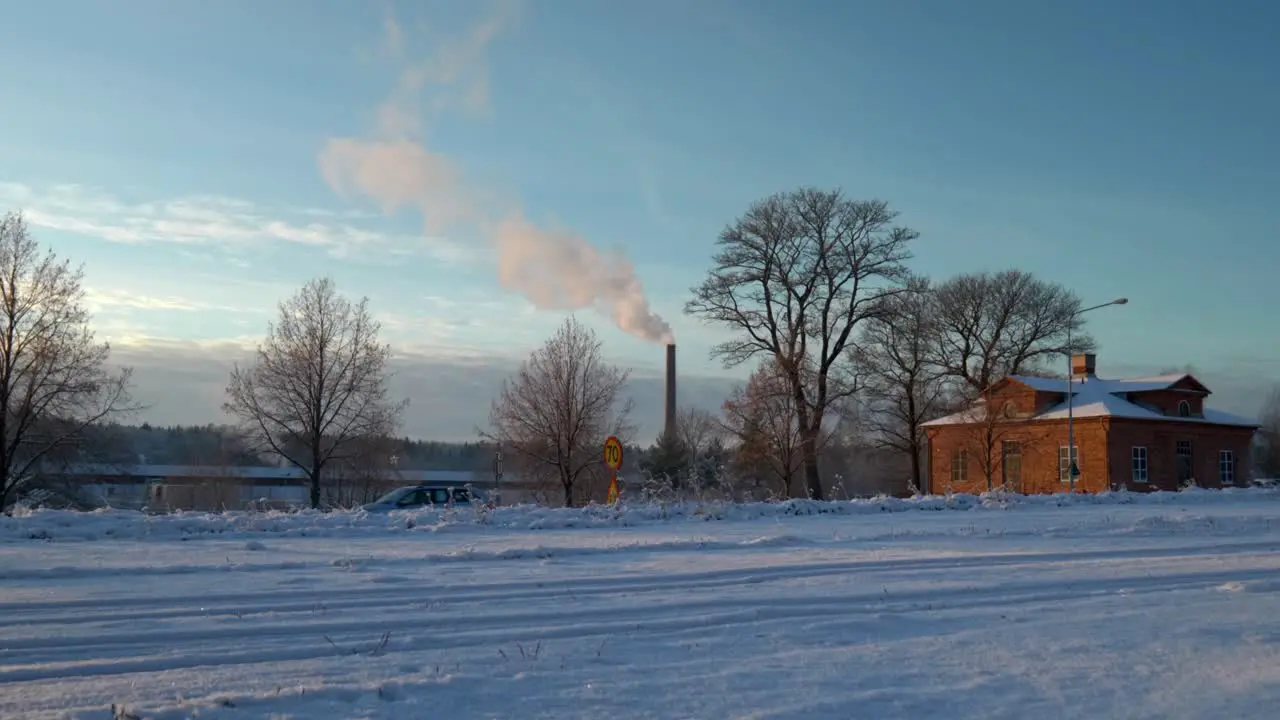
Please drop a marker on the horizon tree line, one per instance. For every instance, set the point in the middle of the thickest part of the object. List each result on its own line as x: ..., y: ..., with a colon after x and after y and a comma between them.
x: 851, y: 352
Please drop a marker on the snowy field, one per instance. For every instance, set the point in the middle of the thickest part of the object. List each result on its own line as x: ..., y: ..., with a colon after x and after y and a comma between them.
x: 1164, y: 606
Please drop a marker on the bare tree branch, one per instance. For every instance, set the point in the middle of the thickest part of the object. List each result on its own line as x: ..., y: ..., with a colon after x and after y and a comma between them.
x: 698, y: 430
x: 555, y: 414
x: 995, y: 426
x: 1007, y: 323
x: 761, y: 418
x: 54, y: 384
x: 318, y: 387
x: 794, y: 277
x: 904, y: 387
x: 366, y: 472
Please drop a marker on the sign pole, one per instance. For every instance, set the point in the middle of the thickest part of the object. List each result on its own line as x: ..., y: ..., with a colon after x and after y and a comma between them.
x: 613, y: 460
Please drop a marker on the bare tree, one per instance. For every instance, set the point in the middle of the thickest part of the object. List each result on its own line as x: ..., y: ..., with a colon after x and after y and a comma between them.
x: 996, y: 434
x: 1007, y: 323
x: 687, y: 464
x: 677, y: 460
x: 905, y: 388
x: 318, y: 387
x: 703, y: 432
x: 54, y: 380
x: 855, y: 464
x: 697, y: 430
x: 555, y: 414
x: 794, y: 277
x: 367, y: 472
x: 761, y: 417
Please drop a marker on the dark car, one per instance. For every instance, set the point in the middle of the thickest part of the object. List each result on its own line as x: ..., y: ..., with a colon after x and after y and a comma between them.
x: 420, y: 496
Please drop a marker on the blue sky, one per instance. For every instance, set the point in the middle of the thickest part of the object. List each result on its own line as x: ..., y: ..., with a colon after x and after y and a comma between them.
x: 177, y: 150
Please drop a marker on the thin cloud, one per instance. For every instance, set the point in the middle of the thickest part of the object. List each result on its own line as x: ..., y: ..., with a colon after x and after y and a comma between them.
x: 456, y: 72
x: 425, y: 331
x: 229, y: 224
x: 145, y: 349
x: 98, y: 300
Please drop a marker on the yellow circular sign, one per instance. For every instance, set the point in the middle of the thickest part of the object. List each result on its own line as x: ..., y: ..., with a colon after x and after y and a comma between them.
x: 613, y: 453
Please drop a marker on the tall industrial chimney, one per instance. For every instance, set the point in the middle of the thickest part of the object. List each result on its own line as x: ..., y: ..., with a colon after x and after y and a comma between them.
x: 669, y: 427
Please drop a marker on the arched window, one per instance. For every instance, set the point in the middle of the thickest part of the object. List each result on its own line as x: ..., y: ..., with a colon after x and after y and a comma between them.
x: 1184, y: 408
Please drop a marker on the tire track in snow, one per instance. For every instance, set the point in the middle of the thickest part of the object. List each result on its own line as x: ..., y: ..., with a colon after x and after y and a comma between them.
x: 297, y: 601
x: 39, y: 659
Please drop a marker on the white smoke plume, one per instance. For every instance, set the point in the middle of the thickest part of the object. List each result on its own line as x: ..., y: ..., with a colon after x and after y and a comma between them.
x: 554, y: 269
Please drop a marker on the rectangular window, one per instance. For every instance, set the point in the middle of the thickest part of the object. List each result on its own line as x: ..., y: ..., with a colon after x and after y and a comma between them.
x: 1064, y: 464
x: 1183, y: 454
x: 960, y: 466
x: 1140, y: 465
x: 1227, y: 468
x: 1011, y: 464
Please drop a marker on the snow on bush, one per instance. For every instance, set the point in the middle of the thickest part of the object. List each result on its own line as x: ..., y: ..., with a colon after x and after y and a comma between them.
x: 64, y: 525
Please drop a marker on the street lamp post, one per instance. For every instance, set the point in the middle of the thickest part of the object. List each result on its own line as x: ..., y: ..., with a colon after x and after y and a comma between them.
x: 1072, y: 469
x: 497, y: 471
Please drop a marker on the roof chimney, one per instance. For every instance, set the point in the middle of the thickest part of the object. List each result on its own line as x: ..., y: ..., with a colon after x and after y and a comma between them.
x: 1083, y: 366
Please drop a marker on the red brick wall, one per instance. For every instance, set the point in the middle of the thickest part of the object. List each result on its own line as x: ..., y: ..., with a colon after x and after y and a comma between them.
x: 1167, y: 401
x: 1021, y: 397
x: 1105, y: 447
x: 1039, y: 441
x: 1160, y: 439
x: 1027, y: 400
x: 1046, y: 400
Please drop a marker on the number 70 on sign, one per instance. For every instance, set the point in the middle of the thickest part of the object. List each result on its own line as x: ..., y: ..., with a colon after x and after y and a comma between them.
x: 613, y: 453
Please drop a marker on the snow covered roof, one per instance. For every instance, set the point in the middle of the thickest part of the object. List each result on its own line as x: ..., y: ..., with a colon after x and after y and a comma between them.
x: 1145, y: 384
x: 1043, y: 384
x: 1140, y: 384
x: 1096, y: 397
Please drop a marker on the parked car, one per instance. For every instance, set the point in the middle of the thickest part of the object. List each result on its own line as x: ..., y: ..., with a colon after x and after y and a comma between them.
x: 420, y: 496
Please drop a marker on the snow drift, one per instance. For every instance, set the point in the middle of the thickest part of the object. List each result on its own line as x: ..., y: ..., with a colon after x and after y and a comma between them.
x: 65, y: 526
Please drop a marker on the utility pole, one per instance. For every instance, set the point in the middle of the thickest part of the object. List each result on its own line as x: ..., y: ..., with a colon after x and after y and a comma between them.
x: 497, y: 471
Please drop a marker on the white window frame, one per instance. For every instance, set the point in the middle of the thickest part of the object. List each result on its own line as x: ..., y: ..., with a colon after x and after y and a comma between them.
x: 1226, y: 468
x: 959, y: 466
x: 1064, y: 464
x: 1140, y: 469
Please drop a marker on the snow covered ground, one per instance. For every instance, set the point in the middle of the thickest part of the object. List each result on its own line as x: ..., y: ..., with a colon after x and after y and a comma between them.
x: 1162, y: 606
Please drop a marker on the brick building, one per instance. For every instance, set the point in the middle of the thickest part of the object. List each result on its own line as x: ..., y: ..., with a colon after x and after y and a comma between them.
x: 1150, y: 433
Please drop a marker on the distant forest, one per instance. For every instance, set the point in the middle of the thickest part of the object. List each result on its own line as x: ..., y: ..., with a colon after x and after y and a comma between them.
x: 148, y: 444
